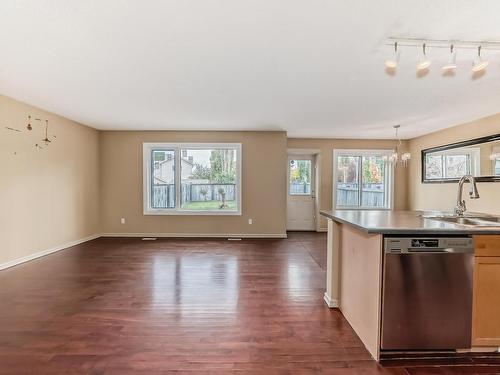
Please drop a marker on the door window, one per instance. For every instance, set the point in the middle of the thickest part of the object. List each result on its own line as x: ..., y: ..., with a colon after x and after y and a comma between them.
x: 299, y: 172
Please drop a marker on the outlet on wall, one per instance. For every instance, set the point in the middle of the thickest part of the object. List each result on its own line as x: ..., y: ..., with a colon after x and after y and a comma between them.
x: 250, y: 221
x: 122, y: 220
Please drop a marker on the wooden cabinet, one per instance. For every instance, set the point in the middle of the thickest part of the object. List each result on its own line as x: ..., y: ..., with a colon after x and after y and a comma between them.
x: 486, y: 292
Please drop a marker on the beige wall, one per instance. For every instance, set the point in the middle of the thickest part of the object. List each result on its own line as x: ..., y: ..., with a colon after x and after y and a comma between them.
x: 48, y: 197
x: 263, y: 185
x: 86, y: 180
x: 443, y: 196
x: 327, y: 146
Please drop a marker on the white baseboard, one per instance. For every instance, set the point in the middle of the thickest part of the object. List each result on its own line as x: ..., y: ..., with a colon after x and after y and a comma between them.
x: 40, y: 254
x: 322, y: 230
x: 331, y: 303
x: 197, y: 235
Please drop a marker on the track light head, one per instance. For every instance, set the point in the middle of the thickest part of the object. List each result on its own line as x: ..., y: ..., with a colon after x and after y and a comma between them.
x: 451, y: 64
x: 423, y: 61
x: 392, y: 62
x: 479, y: 64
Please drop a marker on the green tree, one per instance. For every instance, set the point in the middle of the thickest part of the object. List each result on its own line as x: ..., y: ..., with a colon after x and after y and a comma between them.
x: 222, y: 194
x: 348, y: 169
x: 301, y: 173
x: 304, y: 168
x: 372, y: 170
x: 223, y: 166
x: 200, y: 172
x: 204, y: 192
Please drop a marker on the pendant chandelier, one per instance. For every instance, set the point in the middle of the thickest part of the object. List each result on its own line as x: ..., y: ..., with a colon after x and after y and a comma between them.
x: 398, y: 158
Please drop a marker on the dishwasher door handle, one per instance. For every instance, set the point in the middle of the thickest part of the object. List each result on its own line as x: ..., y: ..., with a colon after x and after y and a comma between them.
x: 448, y: 250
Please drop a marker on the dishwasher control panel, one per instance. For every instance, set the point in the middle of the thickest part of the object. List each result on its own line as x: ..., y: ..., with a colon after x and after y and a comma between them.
x: 428, y: 244
x: 425, y: 242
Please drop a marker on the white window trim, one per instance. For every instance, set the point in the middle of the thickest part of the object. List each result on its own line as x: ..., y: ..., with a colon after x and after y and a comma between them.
x: 146, y: 150
x: 389, y: 177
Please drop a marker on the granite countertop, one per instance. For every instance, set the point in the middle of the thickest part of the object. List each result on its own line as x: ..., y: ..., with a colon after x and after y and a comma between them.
x: 402, y: 222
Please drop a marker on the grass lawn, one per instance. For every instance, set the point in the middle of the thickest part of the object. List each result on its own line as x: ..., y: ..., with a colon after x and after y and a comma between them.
x: 208, y: 205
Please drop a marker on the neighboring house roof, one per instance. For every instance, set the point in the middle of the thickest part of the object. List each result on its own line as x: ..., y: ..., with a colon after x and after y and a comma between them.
x: 184, y: 160
x: 188, y: 161
x: 158, y: 180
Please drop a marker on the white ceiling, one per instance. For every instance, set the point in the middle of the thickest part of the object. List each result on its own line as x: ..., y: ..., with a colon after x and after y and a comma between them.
x: 312, y: 67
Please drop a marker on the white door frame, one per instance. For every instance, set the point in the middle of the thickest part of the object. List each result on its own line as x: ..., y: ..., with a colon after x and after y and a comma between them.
x: 315, y: 155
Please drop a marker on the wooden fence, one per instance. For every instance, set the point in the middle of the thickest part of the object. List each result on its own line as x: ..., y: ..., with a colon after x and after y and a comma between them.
x: 300, y: 188
x: 370, y: 197
x: 164, y: 194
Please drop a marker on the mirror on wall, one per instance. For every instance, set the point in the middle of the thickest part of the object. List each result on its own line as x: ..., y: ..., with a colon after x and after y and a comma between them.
x: 479, y: 157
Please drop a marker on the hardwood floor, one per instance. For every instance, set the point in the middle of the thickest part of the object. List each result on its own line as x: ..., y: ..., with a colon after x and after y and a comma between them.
x: 126, y: 306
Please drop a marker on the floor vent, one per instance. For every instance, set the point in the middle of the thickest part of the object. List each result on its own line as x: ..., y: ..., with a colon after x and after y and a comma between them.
x: 149, y: 238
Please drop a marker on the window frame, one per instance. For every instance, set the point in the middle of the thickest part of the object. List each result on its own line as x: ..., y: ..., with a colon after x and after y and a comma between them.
x: 148, y: 147
x: 388, y: 179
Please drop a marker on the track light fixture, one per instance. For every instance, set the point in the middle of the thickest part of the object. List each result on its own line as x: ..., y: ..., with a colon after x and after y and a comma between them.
x: 479, y: 64
x: 451, y: 64
x: 392, y: 62
x: 423, y: 61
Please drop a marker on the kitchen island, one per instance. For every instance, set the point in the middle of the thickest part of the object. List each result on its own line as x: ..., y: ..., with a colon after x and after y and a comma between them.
x: 404, y: 280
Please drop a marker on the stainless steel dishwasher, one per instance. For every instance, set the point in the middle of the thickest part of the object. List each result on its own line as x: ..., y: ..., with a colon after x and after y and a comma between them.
x: 427, y: 293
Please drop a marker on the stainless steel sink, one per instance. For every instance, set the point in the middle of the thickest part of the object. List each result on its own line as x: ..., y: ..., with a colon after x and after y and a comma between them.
x: 468, y: 220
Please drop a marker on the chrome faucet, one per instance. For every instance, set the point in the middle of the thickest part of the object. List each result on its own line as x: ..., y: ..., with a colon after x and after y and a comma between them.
x: 473, y: 193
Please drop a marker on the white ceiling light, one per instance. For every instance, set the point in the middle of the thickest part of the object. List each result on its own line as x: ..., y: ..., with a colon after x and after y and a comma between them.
x: 451, y: 64
x: 479, y: 64
x: 392, y: 62
x: 423, y: 61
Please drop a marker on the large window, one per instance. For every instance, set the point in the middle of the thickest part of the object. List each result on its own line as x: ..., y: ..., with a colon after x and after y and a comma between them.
x: 363, y: 179
x: 194, y: 178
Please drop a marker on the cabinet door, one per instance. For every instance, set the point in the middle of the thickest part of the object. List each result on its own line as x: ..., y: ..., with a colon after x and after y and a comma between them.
x: 487, y: 246
x: 486, y: 301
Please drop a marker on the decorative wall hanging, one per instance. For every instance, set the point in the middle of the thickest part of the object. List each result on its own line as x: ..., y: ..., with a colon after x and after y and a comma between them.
x: 45, y: 141
x: 15, y: 130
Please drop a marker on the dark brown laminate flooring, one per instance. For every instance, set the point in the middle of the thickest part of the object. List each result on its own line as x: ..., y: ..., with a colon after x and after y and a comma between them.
x: 126, y: 306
